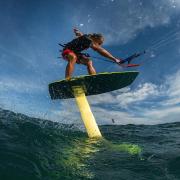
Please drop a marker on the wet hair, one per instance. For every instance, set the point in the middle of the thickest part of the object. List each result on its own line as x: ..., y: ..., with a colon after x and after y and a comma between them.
x: 97, y: 36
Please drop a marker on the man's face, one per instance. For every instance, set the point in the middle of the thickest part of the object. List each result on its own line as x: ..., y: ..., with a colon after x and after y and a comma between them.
x: 100, y: 41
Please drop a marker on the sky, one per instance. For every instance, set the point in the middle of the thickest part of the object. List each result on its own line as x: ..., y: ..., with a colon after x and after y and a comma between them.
x: 31, y: 31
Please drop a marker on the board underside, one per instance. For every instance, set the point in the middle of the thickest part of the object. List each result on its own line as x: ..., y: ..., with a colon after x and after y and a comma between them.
x: 92, y: 84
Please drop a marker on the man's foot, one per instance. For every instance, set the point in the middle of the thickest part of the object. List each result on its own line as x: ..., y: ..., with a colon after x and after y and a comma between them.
x: 68, y: 78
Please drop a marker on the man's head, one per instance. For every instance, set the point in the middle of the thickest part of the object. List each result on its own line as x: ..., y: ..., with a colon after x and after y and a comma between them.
x: 97, y: 38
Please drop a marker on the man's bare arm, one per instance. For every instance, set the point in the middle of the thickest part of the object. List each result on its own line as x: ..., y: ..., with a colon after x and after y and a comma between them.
x: 103, y: 52
x: 77, y: 32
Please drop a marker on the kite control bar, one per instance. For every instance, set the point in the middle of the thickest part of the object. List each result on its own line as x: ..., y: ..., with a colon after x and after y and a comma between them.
x: 135, y: 55
x: 129, y: 59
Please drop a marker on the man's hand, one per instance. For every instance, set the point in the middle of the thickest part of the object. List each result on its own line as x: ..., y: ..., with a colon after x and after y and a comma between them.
x: 77, y: 32
x: 119, y: 61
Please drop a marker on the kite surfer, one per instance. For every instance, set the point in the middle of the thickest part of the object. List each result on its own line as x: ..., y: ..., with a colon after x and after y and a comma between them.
x: 72, y: 52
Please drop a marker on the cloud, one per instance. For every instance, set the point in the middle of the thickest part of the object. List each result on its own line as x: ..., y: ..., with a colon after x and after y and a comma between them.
x: 173, y: 90
x: 68, y: 113
x: 146, y: 116
x: 143, y: 92
x: 174, y: 3
x: 128, y: 97
x: 121, y: 21
x: 23, y: 95
x: 146, y: 104
x: 104, y: 116
x: 164, y: 115
x: 21, y: 86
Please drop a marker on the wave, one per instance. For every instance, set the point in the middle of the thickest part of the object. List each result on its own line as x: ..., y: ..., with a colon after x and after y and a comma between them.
x: 32, y: 148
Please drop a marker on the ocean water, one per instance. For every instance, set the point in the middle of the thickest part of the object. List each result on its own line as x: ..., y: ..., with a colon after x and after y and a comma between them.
x: 34, y: 149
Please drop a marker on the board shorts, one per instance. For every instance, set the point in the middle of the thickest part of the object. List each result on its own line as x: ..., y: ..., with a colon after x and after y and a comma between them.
x: 81, y: 58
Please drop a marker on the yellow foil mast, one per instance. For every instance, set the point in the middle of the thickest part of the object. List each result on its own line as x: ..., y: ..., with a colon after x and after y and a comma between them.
x: 82, y: 86
x: 86, y: 113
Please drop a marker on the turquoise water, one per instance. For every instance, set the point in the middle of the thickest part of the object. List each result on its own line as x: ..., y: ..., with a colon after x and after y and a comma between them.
x: 33, y: 149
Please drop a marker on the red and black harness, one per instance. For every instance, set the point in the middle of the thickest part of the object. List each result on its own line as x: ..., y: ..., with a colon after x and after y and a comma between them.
x: 82, y: 43
x: 76, y: 46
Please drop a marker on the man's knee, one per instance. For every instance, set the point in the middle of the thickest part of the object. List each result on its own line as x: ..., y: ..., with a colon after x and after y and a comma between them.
x: 72, y: 58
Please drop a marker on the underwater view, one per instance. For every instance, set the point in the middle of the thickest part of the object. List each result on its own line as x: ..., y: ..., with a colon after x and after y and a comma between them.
x: 40, y: 149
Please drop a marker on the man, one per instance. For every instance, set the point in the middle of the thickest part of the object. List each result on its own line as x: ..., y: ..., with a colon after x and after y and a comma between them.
x: 72, y: 51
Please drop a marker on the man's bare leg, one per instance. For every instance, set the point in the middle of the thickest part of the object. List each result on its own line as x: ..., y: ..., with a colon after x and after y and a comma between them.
x: 90, y: 68
x: 70, y: 66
